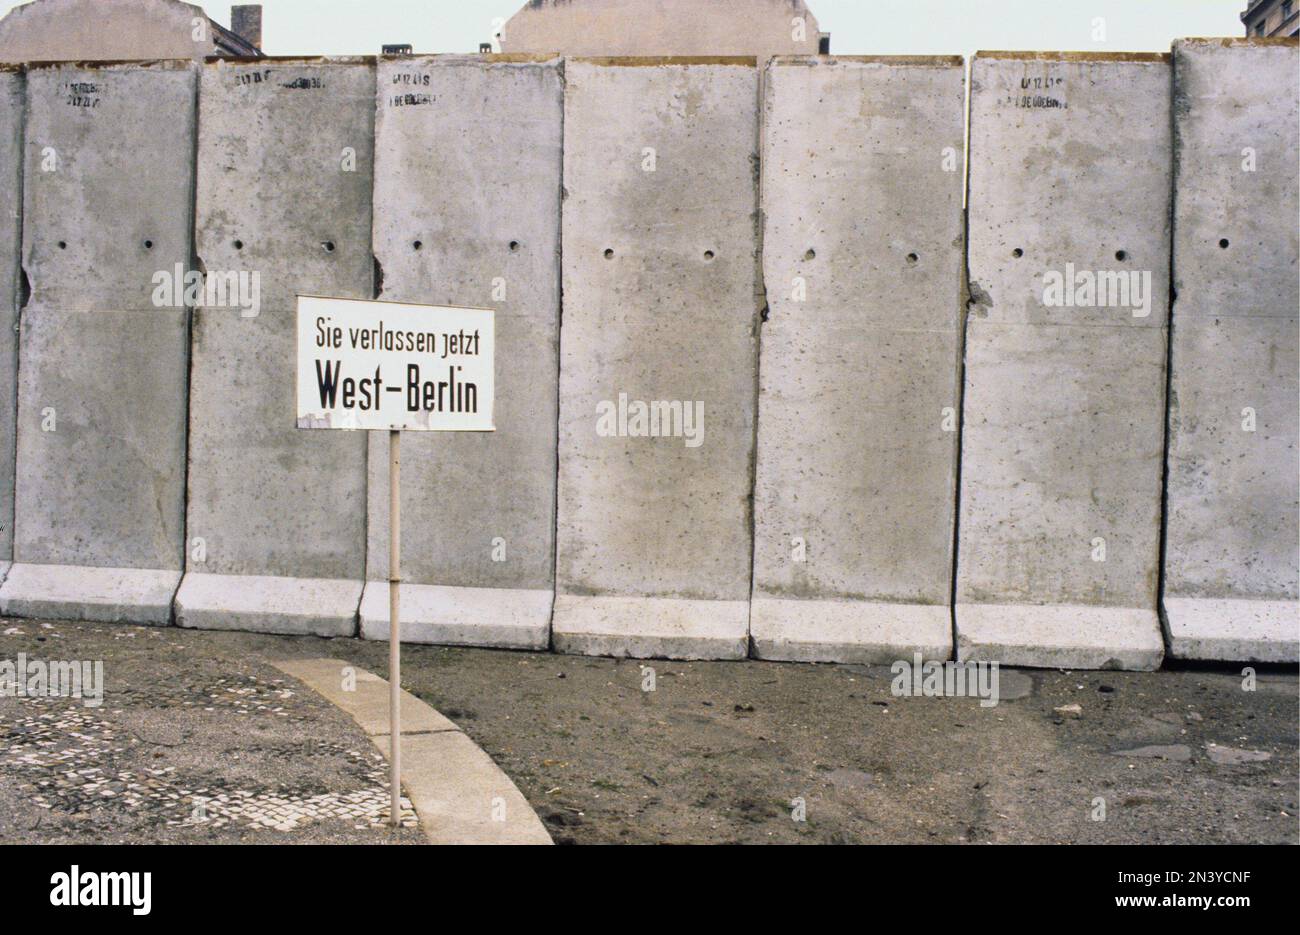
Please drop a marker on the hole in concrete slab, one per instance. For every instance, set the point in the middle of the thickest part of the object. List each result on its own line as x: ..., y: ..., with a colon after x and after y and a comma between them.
x: 514, y: 248
x: 148, y: 245
x: 329, y: 248
x: 708, y: 256
x: 1017, y: 253
x: 418, y: 245
x: 1121, y: 255
x: 1223, y: 244
x: 912, y: 259
x: 810, y: 255
x: 239, y: 245
x: 609, y: 254
x: 63, y: 245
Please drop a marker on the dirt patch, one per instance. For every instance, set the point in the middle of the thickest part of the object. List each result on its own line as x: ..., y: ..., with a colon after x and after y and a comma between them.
x: 734, y: 751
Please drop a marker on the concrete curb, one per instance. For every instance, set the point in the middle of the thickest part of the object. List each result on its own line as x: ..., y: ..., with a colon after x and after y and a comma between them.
x: 460, y: 795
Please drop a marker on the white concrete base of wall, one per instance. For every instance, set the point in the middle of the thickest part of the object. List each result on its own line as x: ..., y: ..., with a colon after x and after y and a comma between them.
x: 100, y: 595
x: 862, y: 632
x: 651, y: 627
x: 1233, y: 630
x: 265, y: 604
x: 1060, y: 636
x: 501, y: 618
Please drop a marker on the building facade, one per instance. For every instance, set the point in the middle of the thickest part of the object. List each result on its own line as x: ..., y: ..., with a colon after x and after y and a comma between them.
x: 761, y: 28
x: 1272, y: 18
x: 111, y: 30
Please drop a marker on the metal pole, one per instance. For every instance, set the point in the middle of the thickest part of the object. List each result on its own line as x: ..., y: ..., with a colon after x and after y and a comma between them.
x: 394, y: 617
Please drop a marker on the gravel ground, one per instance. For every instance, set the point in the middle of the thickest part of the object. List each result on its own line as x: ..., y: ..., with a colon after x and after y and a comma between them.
x: 718, y: 752
x: 192, y: 744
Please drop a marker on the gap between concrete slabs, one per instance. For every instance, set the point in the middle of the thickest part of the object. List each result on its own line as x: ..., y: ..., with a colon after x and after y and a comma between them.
x: 459, y: 794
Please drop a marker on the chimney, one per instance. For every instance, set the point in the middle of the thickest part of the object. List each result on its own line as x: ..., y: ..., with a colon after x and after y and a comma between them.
x: 246, y: 23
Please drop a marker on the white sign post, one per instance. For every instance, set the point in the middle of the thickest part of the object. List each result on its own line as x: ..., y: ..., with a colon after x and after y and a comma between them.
x: 384, y: 366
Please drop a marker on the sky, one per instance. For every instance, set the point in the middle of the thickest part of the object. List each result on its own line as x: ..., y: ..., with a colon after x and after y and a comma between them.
x: 862, y: 27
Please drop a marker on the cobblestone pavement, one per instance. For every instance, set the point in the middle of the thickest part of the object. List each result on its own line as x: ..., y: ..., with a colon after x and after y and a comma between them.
x: 189, y: 745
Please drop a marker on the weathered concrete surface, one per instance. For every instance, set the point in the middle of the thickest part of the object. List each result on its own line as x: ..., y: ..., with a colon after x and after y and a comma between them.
x: 661, y: 304
x: 268, y: 604
x: 478, y: 509
x: 79, y: 592
x: 101, y: 394
x: 11, y: 187
x: 651, y: 627
x: 1064, y: 405
x: 1232, y: 534
x: 505, y: 618
x: 101, y: 438
x: 460, y: 794
x: 858, y: 390
x: 285, y: 164
x: 108, y: 187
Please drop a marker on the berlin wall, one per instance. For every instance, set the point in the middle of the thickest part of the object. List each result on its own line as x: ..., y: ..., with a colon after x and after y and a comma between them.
x: 658, y: 486
x: 103, y: 353
x: 658, y: 358
x: 859, y: 399
x: 469, y: 156
x: 11, y: 187
x: 1234, y: 473
x: 276, y: 518
x: 1062, y: 444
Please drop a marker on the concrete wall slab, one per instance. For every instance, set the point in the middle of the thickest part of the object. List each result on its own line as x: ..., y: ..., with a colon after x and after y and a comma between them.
x: 859, y: 393
x: 102, y: 360
x: 467, y: 212
x: 662, y: 303
x: 285, y: 163
x: 1060, y: 502
x: 1232, y: 563
x: 11, y: 188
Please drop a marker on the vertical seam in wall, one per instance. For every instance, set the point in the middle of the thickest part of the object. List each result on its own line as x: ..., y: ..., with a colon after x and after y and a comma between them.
x: 1171, y: 299
x: 376, y: 292
x: 963, y: 307
x: 21, y: 296
x: 559, y: 329
x: 375, y: 268
x: 760, y: 305
x: 189, y: 310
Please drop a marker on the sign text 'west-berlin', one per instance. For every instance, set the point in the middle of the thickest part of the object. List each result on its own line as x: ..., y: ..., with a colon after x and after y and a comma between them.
x: 385, y: 365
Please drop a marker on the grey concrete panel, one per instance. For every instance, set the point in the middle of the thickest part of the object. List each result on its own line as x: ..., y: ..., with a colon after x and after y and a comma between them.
x: 285, y: 169
x: 11, y: 177
x: 661, y: 304
x: 857, y: 426
x: 1232, y: 557
x: 469, y: 167
x: 101, y: 438
x: 99, y: 500
x: 1058, y: 552
x: 109, y: 182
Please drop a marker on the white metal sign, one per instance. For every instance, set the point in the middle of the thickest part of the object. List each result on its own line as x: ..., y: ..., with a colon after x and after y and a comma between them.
x: 385, y: 365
